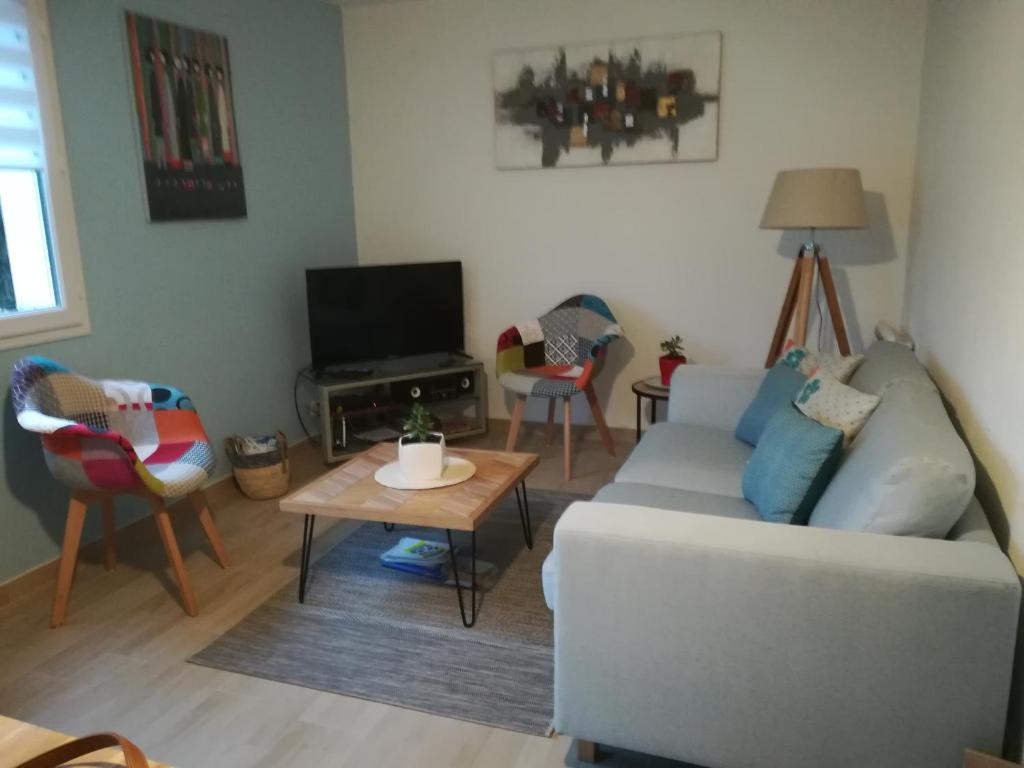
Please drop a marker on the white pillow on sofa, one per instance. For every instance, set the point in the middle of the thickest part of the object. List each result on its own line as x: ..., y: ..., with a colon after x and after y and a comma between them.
x: 908, y: 474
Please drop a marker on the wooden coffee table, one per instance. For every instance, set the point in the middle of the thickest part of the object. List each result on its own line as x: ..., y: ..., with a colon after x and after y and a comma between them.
x: 350, y: 492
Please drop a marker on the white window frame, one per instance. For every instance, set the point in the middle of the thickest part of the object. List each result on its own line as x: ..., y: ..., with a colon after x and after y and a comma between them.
x: 71, y: 318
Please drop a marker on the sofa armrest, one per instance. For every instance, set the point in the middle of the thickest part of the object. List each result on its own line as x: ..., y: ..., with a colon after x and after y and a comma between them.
x: 712, y: 396
x: 732, y: 642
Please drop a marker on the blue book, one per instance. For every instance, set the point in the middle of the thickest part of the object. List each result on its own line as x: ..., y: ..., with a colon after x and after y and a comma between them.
x: 416, y: 551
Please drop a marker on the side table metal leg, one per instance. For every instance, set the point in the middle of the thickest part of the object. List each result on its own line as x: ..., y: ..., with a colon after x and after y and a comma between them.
x: 307, y: 549
x: 458, y: 584
x: 524, y: 515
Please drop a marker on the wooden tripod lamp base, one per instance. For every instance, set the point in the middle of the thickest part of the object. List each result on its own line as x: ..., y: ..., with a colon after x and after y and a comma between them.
x: 797, y: 305
x: 811, y: 199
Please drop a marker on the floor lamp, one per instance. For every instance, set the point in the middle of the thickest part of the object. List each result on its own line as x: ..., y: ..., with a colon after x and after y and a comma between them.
x: 812, y: 199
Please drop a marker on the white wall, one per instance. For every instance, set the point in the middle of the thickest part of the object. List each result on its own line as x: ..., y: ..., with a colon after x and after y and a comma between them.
x: 672, y: 248
x: 966, y: 272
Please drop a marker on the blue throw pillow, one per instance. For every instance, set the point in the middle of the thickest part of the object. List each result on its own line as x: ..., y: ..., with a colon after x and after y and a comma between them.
x: 791, y: 466
x: 777, y: 391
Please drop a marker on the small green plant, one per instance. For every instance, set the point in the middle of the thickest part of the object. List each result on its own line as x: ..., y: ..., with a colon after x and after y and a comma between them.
x: 673, y: 347
x: 420, y: 423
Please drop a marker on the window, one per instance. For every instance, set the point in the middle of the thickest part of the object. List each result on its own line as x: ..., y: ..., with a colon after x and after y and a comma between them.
x: 42, y: 297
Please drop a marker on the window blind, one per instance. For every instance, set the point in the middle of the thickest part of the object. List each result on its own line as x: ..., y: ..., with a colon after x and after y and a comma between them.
x: 21, y: 139
x: 27, y: 270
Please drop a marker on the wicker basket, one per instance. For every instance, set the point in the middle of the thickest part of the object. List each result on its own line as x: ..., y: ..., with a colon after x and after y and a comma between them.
x: 269, y: 479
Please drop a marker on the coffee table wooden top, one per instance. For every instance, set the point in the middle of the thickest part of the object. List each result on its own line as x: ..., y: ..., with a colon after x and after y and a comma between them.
x: 351, y: 492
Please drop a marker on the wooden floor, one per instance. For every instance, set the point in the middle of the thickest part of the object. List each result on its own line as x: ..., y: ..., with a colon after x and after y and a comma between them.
x: 119, y: 661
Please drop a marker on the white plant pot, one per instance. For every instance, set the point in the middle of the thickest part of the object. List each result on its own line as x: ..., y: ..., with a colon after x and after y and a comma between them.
x: 421, y: 461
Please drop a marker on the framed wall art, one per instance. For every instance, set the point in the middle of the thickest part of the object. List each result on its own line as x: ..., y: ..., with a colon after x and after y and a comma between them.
x: 650, y: 100
x: 184, y: 109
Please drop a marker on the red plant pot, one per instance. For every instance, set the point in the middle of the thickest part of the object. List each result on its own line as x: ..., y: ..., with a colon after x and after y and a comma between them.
x: 668, y: 365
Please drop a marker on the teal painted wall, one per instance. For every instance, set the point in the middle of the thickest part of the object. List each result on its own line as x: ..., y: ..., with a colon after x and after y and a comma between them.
x: 215, y: 308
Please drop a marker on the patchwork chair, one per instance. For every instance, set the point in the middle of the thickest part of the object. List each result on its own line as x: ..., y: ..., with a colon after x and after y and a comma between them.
x: 556, y: 357
x: 104, y: 438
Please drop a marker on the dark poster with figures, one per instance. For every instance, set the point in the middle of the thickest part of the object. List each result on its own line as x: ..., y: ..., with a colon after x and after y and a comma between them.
x: 182, y: 86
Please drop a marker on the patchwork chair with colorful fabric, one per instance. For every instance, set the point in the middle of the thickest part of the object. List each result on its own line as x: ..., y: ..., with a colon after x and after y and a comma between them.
x: 557, y: 357
x: 102, y: 438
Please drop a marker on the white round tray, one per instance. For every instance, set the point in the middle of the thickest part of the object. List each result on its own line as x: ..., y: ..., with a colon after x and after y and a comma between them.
x: 456, y: 470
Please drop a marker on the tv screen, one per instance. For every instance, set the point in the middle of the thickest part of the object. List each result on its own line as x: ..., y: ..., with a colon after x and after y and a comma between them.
x: 358, y: 314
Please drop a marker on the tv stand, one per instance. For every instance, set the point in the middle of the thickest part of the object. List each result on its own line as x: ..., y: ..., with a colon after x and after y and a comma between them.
x: 454, y: 358
x: 343, y: 374
x: 357, y: 412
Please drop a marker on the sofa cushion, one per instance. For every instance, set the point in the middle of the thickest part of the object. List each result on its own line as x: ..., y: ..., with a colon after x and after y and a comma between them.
x: 690, y: 457
x: 887, y: 363
x: 777, y: 391
x: 677, y: 500
x: 973, y: 526
x: 659, y: 497
x: 793, y: 462
x: 907, y: 473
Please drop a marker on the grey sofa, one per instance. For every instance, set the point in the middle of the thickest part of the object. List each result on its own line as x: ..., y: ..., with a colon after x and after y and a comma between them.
x: 688, y: 628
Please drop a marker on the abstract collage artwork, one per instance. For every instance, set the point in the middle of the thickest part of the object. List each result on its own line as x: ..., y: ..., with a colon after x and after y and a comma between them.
x: 181, y: 79
x: 653, y: 100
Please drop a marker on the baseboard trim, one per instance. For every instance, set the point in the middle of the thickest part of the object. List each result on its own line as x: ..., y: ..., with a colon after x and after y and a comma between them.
x: 219, y: 492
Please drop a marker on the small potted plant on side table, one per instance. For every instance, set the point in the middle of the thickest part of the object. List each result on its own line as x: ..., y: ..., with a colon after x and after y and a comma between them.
x: 420, y: 449
x: 672, y: 359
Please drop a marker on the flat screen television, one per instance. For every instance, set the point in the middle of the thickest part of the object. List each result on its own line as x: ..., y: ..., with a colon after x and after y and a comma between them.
x: 359, y: 314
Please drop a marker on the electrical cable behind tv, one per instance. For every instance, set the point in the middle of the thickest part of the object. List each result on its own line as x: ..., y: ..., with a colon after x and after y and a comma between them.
x: 303, y: 372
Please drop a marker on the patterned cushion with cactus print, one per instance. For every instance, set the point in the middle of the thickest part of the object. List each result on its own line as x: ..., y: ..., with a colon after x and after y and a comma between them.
x: 834, y: 404
x: 808, y: 363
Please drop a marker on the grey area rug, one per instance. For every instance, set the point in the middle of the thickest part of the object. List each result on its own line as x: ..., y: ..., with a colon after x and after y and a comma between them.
x: 378, y: 634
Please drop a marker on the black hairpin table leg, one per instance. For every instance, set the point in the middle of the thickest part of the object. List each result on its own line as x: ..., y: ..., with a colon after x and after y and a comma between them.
x: 458, y: 584
x: 389, y: 527
x: 524, y: 515
x: 307, y: 549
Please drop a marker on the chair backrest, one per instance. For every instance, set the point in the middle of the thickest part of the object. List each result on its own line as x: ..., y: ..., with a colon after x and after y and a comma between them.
x: 104, y: 433
x: 41, y: 386
x: 577, y: 329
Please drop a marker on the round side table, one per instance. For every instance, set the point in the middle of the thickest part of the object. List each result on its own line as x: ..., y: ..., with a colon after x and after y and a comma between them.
x: 653, y: 390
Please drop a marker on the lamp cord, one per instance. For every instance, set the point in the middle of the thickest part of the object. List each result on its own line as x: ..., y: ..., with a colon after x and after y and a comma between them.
x: 817, y: 301
x: 303, y: 373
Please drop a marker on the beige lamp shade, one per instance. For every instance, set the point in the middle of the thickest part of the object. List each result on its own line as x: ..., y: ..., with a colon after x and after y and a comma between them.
x: 816, y: 198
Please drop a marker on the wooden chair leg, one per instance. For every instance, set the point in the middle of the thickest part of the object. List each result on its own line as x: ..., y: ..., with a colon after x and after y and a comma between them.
x: 586, y: 751
x: 68, y: 559
x: 567, y: 438
x: 517, y: 420
x: 549, y: 433
x: 198, y: 499
x: 598, y: 414
x: 163, y: 524
x: 109, y: 546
